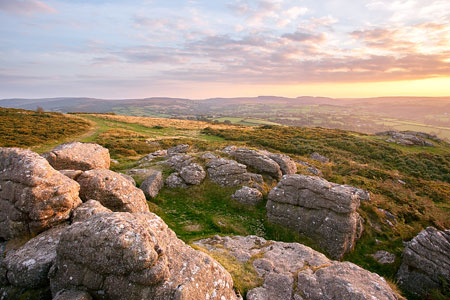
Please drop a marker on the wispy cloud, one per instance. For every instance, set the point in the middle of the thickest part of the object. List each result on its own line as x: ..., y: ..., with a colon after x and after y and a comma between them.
x: 25, y: 7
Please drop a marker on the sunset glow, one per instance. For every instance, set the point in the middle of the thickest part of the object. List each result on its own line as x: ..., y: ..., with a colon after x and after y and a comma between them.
x: 229, y: 48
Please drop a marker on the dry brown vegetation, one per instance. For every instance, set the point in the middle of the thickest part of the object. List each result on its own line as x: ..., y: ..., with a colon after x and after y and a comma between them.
x: 173, y: 123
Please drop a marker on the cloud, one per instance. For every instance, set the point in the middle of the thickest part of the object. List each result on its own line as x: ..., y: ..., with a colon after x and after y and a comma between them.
x: 25, y: 7
x: 300, y: 36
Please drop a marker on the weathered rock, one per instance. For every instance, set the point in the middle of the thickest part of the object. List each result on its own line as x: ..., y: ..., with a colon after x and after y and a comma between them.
x: 175, y: 181
x: 247, y: 196
x: 72, y: 174
x: 318, y: 157
x: 208, y: 156
x: 28, y: 266
x: 323, y: 211
x: 426, y: 261
x: 314, y: 171
x: 3, y: 278
x: 87, y: 210
x: 153, y: 155
x: 291, y: 271
x: 33, y: 195
x: 112, y: 190
x: 183, y: 148
x: 179, y: 161
x: 193, y: 174
x: 409, y: 138
x: 78, y: 156
x: 257, y: 161
x: 229, y: 149
x: 72, y: 295
x: 140, y: 174
x: 384, y: 257
x: 129, y: 178
x: 227, y: 172
x: 287, y: 165
x: 135, y: 256
x: 153, y: 184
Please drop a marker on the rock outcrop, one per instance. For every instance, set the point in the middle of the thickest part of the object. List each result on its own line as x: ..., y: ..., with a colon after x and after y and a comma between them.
x: 319, y: 157
x: 87, y: 210
x: 226, y: 172
x: 33, y: 195
x: 153, y: 184
x: 384, y: 257
x: 28, y: 266
x: 182, y: 148
x: 175, y: 181
x: 323, y: 211
x: 78, y: 156
x: 152, y: 156
x: 72, y: 174
x: 258, y: 161
x: 291, y: 271
x: 287, y: 165
x: 112, y: 190
x: 426, y: 262
x: 135, y: 256
x: 179, y: 161
x: 193, y: 174
x: 409, y: 138
x: 248, y: 196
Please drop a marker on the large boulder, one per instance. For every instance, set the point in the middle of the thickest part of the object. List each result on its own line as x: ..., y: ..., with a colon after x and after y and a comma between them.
x: 426, y: 262
x: 287, y: 165
x: 226, y: 172
x: 248, y: 196
x: 258, y: 161
x: 78, y: 156
x: 193, y: 174
x: 152, y: 184
x: 135, y: 256
x: 33, y: 195
x: 28, y: 266
x: 321, y: 210
x: 291, y: 271
x: 87, y: 210
x: 112, y: 190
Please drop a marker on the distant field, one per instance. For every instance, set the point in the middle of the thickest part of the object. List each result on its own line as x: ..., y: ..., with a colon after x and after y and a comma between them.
x: 246, y: 121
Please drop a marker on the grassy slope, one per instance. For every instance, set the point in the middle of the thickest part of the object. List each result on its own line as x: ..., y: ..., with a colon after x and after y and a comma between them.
x: 361, y: 160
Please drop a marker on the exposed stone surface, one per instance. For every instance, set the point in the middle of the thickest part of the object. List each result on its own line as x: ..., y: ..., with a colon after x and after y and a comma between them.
x: 321, y: 210
x: 287, y: 165
x: 153, y: 184
x: 314, y: 171
x: 409, y: 138
x: 112, y: 190
x: 33, y: 195
x: 426, y: 260
x: 129, y: 178
x: 135, y: 256
x: 72, y: 174
x: 291, y: 271
x: 179, y: 161
x: 3, y: 278
x: 140, y: 173
x: 226, y: 172
x: 28, y: 266
x: 208, y: 156
x: 248, y: 196
x: 193, y: 174
x: 72, y: 295
x: 318, y: 157
x: 78, y: 156
x: 175, y: 181
x: 258, y: 161
x: 229, y: 149
x: 153, y: 155
x: 88, y: 209
x: 183, y: 148
x: 384, y: 257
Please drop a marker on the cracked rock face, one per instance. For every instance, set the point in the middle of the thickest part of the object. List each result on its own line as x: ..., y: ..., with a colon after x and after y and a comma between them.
x: 135, y: 256
x: 258, y: 161
x: 78, y: 156
x: 179, y: 161
x: 152, y: 184
x: 321, y: 210
x: 87, y: 210
x: 33, y: 195
x: 226, y: 172
x: 287, y: 165
x: 112, y: 190
x: 175, y: 181
x: 28, y: 266
x: 291, y: 271
x: 248, y: 196
x: 193, y: 174
x: 426, y: 260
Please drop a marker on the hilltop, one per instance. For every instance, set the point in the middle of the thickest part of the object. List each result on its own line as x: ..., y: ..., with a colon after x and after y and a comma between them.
x: 408, y: 185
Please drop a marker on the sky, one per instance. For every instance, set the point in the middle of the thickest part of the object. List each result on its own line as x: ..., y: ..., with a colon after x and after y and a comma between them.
x: 224, y: 48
